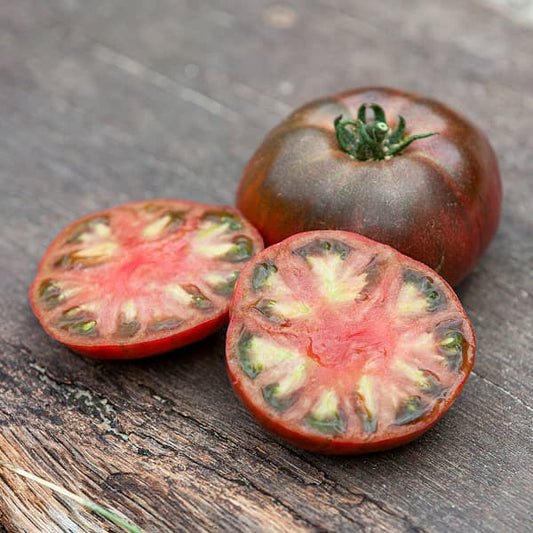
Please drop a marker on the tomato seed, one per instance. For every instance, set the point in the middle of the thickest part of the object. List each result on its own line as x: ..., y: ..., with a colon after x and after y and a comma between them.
x: 330, y: 426
x: 222, y: 283
x: 430, y: 385
x: 411, y: 410
x: 168, y: 223
x: 262, y: 275
x: 127, y: 329
x: 87, y: 257
x: 250, y: 368
x: 164, y: 324
x: 325, y: 416
x: 97, y: 227
x: 266, y: 308
x: 453, y: 347
x: 241, y: 250
x: 257, y: 354
x: 272, y: 396
x: 50, y: 294
x: 281, y: 312
x: 177, y: 292
x: 197, y: 298
x: 223, y: 218
x: 324, y: 247
x: 155, y: 229
x: 283, y: 394
x: 427, y: 288
x: 367, y: 404
x: 368, y: 421
x: 326, y: 258
x: 84, y: 328
x: 189, y: 295
x: 78, y: 320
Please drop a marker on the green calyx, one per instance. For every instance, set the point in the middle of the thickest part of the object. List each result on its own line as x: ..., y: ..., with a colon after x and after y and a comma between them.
x: 373, y: 140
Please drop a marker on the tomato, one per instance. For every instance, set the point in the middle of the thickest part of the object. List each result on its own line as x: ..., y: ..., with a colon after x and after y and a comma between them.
x: 343, y: 345
x: 437, y: 199
x: 142, y: 278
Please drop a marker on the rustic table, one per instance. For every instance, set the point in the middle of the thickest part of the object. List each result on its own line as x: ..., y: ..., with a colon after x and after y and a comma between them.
x: 113, y: 100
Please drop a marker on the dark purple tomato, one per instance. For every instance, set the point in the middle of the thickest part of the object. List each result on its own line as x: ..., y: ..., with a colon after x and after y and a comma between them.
x: 341, y: 163
x: 142, y: 278
x: 342, y: 345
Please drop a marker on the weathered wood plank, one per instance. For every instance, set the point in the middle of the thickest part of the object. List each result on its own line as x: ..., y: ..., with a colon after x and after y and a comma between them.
x: 476, y: 84
x: 148, y: 427
x: 104, y: 102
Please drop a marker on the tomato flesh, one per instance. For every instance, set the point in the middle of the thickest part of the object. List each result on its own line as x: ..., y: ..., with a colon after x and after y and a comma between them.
x: 142, y: 278
x: 343, y: 345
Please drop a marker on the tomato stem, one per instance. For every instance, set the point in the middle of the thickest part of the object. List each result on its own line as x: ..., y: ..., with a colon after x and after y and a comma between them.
x: 373, y: 140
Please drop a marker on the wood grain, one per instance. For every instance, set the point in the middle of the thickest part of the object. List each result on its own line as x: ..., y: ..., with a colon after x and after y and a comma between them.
x: 109, y: 101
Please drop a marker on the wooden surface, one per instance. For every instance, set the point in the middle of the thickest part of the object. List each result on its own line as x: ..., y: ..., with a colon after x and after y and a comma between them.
x: 107, y: 101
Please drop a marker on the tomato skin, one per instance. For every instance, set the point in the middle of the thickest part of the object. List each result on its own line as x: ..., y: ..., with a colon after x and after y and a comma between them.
x: 148, y: 348
x: 327, y: 446
x: 323, y: 445
x: 438, y: 202
x: 317, y: 443
x: 120, y: 350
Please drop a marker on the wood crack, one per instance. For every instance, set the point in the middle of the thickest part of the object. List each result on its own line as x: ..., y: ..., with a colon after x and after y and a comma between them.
x: 244, y: 481
x: 137, y: 69
x: 204, y: 427
x: 400, y: 516
x: 85, y: 400
x: 82, y: 398
x: 362, y: 495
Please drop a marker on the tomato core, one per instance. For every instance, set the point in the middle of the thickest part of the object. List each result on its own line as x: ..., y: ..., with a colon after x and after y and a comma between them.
x: 330, y: 347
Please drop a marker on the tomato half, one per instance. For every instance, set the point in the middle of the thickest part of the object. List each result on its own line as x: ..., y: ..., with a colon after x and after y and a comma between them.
x: 341, y: 163
x: 343, y: 345
x: 142, y: 278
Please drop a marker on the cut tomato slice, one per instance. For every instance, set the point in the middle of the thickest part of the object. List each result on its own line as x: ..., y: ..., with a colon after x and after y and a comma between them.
x: 343, y: 345
x: 142, y: 278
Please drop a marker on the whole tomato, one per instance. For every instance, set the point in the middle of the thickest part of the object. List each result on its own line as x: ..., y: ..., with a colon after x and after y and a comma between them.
x: 437, y: 200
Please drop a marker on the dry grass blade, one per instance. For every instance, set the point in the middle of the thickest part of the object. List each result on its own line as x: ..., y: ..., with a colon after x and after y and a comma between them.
x: 105, y: 513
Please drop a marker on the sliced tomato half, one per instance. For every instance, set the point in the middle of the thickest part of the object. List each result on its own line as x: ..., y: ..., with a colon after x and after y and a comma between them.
x: 142, y: 278
x: 343, y: 345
